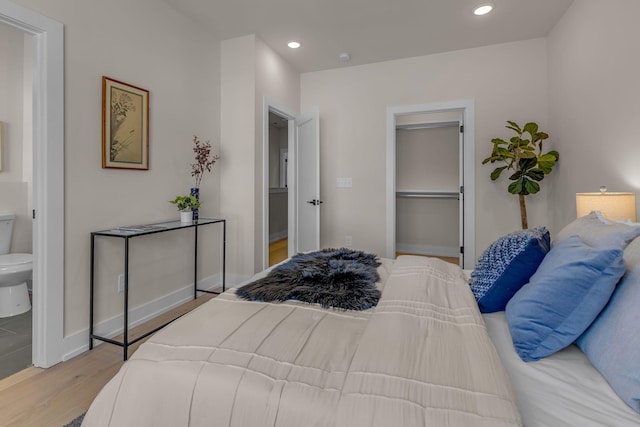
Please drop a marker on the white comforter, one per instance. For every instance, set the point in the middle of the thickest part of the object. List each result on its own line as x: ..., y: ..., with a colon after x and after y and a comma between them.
x: 422, y: 357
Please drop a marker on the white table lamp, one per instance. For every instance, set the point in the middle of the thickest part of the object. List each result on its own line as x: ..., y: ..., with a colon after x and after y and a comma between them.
x: 613, y: 205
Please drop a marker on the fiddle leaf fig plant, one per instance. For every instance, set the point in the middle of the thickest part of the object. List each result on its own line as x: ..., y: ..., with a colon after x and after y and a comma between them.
x: 523, y: 156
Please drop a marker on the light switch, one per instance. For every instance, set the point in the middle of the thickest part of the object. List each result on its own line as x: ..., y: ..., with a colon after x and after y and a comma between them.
x: 343, y: 183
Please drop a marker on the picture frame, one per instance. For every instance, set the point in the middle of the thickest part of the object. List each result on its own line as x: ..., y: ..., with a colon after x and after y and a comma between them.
x: 125, y: 125
x: 1, y: 146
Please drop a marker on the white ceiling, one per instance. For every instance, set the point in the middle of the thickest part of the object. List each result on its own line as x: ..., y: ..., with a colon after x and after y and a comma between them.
x: 372, y: 30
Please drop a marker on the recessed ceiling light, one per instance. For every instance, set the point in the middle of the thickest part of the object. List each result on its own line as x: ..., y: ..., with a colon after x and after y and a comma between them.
x: 483, y: 9
x: 293, y: 45
x: 344, y: 56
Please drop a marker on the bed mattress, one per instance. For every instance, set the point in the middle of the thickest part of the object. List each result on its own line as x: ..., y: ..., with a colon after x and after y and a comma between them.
x: 562, y: 390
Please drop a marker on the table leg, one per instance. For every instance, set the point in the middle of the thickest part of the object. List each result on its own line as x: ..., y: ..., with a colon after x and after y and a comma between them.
x: 125, y: 340
x: 195, y: 264
x: 224, y: 253
x: 91, y: 284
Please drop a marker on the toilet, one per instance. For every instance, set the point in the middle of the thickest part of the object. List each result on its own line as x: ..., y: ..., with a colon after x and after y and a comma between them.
x: 15, y: 272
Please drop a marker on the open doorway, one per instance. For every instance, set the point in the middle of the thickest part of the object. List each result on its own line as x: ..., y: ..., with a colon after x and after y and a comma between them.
x: 277, y: 209
x: 48, y: 179
x: 296, y: 172
x: 16, y: 185
x: 428, y: 181
x: 450, y: 193
x: 278, y: 188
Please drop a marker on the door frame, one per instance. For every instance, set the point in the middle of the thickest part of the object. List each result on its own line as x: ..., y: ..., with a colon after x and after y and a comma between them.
x: 48, y: 179
x: 467, y: 108
x: 269, y: 105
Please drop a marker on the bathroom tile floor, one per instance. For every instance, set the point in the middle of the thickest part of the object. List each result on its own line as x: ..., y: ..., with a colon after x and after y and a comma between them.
x: 15, y: 343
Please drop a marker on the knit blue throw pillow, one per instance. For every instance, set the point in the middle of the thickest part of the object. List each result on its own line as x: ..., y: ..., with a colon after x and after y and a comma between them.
x: 506, y: 265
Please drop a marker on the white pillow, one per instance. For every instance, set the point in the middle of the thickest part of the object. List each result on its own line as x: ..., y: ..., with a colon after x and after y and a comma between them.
x: 596, y: 231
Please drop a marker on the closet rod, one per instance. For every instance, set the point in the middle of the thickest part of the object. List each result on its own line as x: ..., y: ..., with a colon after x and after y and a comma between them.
x: 428, y: 194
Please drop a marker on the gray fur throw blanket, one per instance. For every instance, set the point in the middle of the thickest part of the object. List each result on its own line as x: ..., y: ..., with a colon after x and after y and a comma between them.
x: 340, y: 278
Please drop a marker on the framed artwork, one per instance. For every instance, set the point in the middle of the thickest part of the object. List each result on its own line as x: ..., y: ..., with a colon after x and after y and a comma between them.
x: 125, y: 125
x: 1, y: 147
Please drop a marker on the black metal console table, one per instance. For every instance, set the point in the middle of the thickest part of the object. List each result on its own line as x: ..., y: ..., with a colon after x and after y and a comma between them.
x: 128, y: 233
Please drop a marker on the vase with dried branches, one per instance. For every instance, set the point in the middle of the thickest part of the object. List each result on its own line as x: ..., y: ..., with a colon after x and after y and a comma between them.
x: 204, y: 161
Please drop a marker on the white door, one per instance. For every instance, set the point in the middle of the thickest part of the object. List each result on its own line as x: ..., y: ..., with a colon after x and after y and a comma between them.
x: 306, y: 215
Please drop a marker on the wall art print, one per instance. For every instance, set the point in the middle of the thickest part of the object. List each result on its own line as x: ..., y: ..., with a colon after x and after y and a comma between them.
x: 125, y: 125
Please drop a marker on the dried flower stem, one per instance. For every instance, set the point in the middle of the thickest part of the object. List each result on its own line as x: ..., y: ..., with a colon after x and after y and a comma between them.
x: 204, y: 159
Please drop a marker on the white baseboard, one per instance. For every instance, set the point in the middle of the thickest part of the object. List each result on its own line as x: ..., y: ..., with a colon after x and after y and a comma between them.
x: 236, y: 280
x: 278, y: 236
x: 78, y: 342
x: 447, y: 251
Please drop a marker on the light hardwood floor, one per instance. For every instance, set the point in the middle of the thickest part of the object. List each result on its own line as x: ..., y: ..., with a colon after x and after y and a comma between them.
x: 55, y: 396
x: 278, y: 251
x: 452, y: 260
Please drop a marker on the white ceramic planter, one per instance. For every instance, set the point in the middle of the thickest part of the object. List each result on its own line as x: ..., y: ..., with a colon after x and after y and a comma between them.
x: 185, y: 216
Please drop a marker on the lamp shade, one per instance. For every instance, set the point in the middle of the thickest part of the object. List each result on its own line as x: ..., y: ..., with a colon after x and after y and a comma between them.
x: 614, y: 206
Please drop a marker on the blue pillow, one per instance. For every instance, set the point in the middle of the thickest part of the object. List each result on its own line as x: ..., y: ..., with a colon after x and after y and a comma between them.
x: 612, y: 342
x: 506, y: 265
x: 571, y: 286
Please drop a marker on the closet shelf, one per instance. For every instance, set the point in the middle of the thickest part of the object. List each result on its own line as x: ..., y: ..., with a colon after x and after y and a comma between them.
x: 429, y: 194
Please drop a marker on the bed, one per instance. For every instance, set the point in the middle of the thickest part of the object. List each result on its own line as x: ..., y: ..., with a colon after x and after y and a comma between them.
x: 423, y: 356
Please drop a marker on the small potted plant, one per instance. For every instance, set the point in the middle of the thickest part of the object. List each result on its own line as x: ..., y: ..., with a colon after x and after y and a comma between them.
x: 185, y: 205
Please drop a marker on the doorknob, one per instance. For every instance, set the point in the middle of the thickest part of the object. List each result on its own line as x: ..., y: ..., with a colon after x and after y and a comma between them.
x: 314, y: 202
